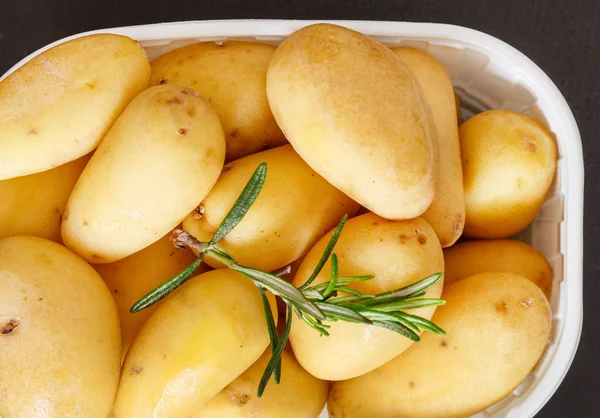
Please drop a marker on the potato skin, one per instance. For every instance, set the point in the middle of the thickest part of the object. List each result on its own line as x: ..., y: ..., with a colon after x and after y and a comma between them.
x: 133, y: 277
x: 356, y: 115
x: 33, y: 205
x: 503, y: 255
x: 232, y: 76
x: 446, y: 215
x: 497, y: 326
x: 63, y: 358
x: 298, y: 395
x: 201, y: 338
x: 509, y: 161
x: 293, y: 210
x: 398, y: 253
x: 156, y: 164
x: 59, y: 105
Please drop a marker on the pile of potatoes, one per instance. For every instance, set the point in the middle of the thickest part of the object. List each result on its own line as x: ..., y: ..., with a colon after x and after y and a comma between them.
x: 103, y: 154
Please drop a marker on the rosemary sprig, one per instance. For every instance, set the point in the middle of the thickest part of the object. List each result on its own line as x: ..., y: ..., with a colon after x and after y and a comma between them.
x: 333, y: 300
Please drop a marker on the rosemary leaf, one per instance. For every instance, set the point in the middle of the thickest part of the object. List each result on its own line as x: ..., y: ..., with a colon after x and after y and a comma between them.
x: 272, y: 330
x: 422, y: 323
x: 406, y: 304
x: 332, y: 241
x: 409, y: 291
x: 281, y: 288
x: 277, y: 352
x: 242, y: 204
x: 339, y: 312
x: 399, y: 328
x: 334, y: 277
x: 167, y: 287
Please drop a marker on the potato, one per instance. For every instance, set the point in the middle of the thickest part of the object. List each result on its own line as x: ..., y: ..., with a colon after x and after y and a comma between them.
x: 59, y: 341
x: 398, y: 253
x: 356, y: 115
x: 58, y: 106
x: 200, y: 339
x: 33, y: 205
x: 133, y: 277
x: 298, y: 395
x: 293, y: 210
x: 446, y: 215
x: 231, y: 75
x: 158, y: 161
x: 473, y: 257
x: 497, y: 327
x: 509, y: 162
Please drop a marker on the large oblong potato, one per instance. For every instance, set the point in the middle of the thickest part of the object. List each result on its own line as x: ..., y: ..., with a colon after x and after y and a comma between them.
x: 231, y: 75
x: 33, y: 205
x: 509, y: 161
x: 201, y: 338
x: 355, y: 113
x: 446, y: 215
x: 398, y: 253
x: 298, y: 395
x: 158, y: 161
x: 58, y: 106
x: 497, y: 327
x: 133, y: 277
x: 502, y: 255
x: 293, y: 210
x: 59, y: 333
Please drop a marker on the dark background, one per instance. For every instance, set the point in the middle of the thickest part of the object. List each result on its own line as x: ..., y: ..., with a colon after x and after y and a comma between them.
x: 561, y: 36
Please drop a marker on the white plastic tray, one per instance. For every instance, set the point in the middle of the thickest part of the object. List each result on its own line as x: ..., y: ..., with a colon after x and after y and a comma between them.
x: 487, y: 74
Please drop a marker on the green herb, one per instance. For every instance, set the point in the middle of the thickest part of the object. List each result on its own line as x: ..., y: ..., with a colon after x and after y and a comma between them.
x: 333, y: 300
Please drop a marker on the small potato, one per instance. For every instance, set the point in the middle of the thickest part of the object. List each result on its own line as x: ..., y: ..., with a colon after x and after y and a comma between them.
x: 158, y: 161
x: 59, y: 333
x: 446, y: 215
x: 509, y: 161
x: 232, y: 76
x: 355, y: 113
x: 293, y: 210
x: 60, y: 104
x: 398, y: 253
x: 298, y: 395
x: 133, y: 277
x: 33, y: 205
x: 497, y: 326
x: 510, y: 256
x: 200, y: 339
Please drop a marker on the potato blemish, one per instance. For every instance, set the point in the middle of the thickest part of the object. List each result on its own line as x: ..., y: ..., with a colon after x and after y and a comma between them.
x: 8, y: 326
x: 136, y: 370
x: 502, y: 308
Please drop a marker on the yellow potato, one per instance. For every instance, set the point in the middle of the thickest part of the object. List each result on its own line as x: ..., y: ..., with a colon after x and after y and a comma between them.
x: 446, y: 215
x: 398, y: 253
x: 231, y: 76
x: 133, y: 277
x: 58, y: 106
x: 298, y: 395
x: 294, y: 209
x: 473, y: 257
x: 200, y: 339
x: 59, y: 341
x: 33, y: 205
x: 497, y: 326
x: 356, y: 115
x: 158, y: 161
x: 509, y: 162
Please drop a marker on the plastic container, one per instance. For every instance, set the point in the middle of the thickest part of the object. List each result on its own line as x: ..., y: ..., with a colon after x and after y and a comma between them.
x: 487, y: 74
